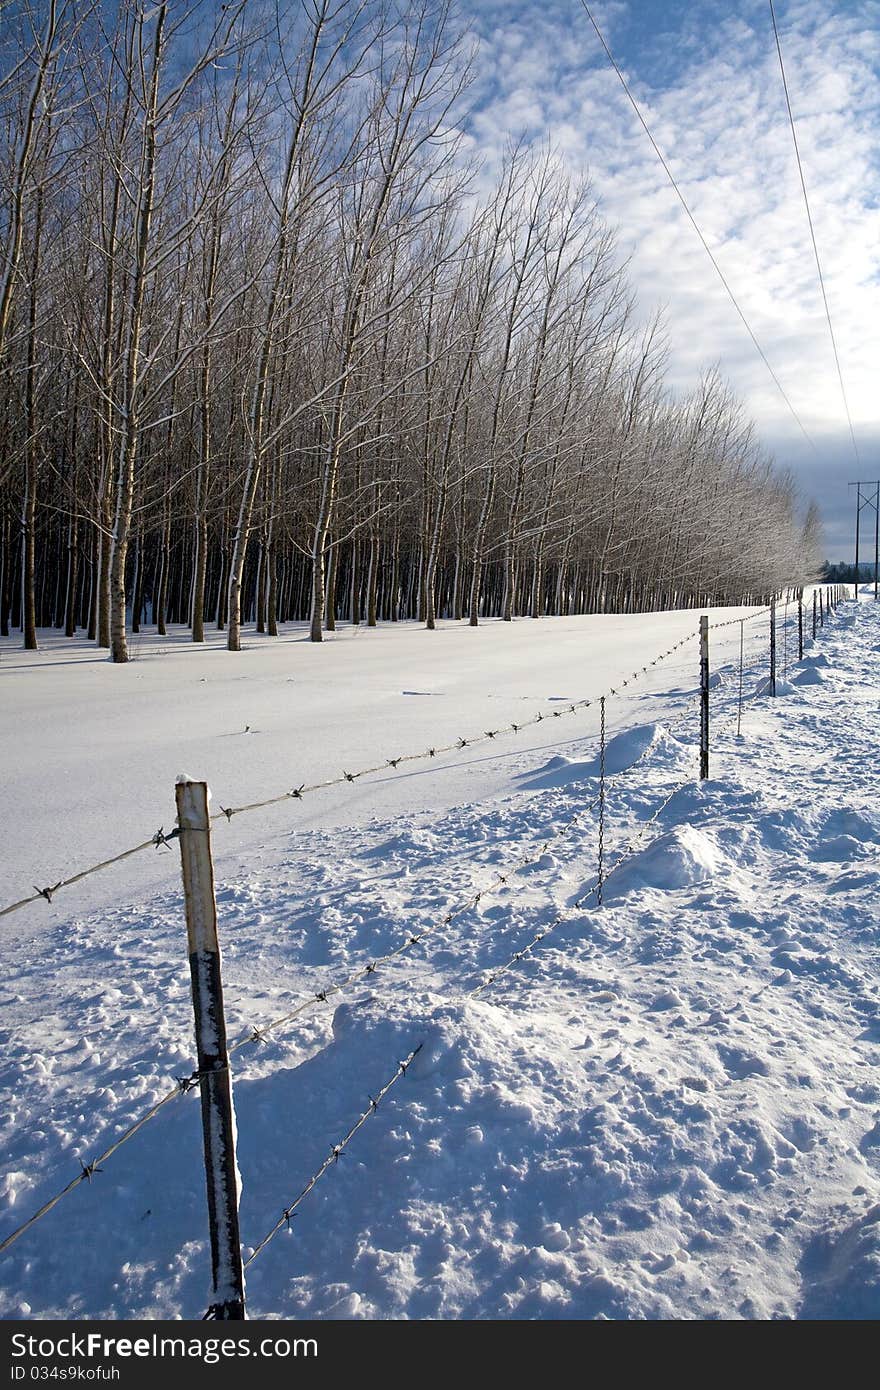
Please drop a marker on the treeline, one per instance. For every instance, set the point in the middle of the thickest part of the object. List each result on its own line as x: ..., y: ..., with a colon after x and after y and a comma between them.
x: 272, y: 348
x: 842, y: 573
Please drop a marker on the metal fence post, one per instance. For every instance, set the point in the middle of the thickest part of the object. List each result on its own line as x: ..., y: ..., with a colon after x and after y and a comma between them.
x: 773, y: 646
x: 218, y: 1124
x: 704, y: 695
x: 814, y: 614
x: 800, y: 624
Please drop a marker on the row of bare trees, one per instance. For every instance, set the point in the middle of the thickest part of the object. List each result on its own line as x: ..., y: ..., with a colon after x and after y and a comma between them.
x: 273, y: 347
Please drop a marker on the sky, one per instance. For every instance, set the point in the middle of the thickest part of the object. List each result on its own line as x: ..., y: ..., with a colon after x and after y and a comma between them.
x: 706, y: 77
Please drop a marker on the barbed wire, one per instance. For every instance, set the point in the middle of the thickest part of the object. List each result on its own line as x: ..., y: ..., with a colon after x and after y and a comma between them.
x: 156, y: 841
x: 729, y: 622
x: 336, y: 1150
x: 297, y: 793
x: 258, y: 1034
x: 473, y: 741
x: 88, y: 1170
x: 160, y: 838
x: 578, y: 904
x: 187, y: 1083
x: 501, y: 880
x: 334, y: 1155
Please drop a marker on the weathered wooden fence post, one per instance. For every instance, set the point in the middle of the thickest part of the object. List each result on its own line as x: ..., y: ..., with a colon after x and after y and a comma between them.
x: 218, y: 1124
x: 800, y: 624
x: 600, y: 881
x: 773, y: 646
x: 814, y: 614
x: 704, y: 696
x: 821, y: 609
x: 739, y: 707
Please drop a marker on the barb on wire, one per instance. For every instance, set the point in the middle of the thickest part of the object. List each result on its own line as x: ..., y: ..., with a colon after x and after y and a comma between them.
x: 260, y: 1034
x: 488, y: 735
x: 160, y: 838
x: 501, y: 879
x: 497, y: 971
x: 155, y: 841
x: 336, y: 1151
x: 96, y: 1165
x: 729, y: 622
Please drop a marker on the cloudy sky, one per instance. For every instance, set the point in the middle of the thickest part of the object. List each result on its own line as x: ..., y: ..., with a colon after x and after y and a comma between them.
x: 706, y: 76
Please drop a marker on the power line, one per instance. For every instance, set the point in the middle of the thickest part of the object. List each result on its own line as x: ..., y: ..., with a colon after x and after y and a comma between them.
x: 693, y: 221
x: 813, y: 233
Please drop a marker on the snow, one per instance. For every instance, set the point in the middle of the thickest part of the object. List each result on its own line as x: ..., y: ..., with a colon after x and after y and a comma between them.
x: 668, y: 1109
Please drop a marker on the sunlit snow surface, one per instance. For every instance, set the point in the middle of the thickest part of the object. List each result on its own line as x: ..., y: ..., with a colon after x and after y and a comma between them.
x: 670, y: 1109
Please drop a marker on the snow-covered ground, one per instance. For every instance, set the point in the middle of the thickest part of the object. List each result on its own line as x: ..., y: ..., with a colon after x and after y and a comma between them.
x: 668, y: 1107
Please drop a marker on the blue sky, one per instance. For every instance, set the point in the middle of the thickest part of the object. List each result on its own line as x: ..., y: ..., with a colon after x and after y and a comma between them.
x: 706, y: 76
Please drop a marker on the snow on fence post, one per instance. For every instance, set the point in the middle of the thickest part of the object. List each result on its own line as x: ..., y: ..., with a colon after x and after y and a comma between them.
x: 773, y: 646
x: 800, y: 624
x: 704, y: 696
x: 601, y: 873
x: 218, y: 1120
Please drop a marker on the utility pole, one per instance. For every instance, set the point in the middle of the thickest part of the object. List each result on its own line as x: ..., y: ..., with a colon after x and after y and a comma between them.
x: 865, y: 497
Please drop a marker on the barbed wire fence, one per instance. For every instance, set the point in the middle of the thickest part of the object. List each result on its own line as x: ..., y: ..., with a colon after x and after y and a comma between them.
x: 159, y: 839
x: 186, y: 1083
x: 336, y: 988
x: 523, y: 953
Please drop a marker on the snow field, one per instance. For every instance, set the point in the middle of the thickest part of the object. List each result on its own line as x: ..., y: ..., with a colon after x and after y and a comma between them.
x: 668, y: 1109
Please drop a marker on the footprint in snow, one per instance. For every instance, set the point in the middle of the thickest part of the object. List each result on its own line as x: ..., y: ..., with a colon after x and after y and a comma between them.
x: 871, y: 1140
x: 740, y: 1064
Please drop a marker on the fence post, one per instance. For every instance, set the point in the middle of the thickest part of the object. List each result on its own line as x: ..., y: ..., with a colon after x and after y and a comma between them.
x: 821, y: 609
x: 218, y: 1124
x: 739, y: 708
x: 704, y: 695
x: 601, y: 876
x: 773, y: 646
x: 814, y: 615
x: 800, y: 624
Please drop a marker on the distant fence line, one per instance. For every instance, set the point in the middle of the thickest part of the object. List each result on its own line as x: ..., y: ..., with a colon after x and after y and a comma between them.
x: 199, y: 902
x: 160, y: 839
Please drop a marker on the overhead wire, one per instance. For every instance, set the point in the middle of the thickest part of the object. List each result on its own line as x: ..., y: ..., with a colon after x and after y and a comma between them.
x: 693, y: 221
x: 800, y: 166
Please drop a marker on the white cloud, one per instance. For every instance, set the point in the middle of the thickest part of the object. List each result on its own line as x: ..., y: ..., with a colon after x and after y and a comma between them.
x: 711, y: 92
